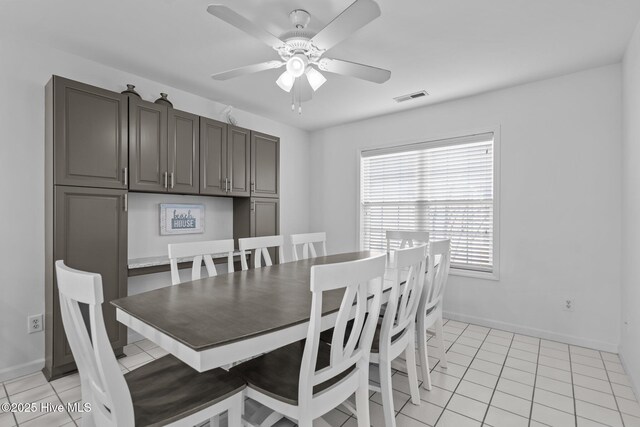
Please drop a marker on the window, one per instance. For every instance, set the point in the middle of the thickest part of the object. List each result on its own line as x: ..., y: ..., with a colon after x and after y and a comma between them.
x: 445, y: 187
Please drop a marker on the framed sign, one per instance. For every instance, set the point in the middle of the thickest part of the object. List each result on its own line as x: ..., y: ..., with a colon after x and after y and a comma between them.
x: 181, y: 219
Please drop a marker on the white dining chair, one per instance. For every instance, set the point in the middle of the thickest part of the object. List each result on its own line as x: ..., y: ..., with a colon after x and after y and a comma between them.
x: 307, y: 241
x: 430, y: 310
x: 162, y: 392
x: 405, y: 238
x: 307, y: 379
x: 396, y: 334
x: 260, y: 246
x: 198, y: 252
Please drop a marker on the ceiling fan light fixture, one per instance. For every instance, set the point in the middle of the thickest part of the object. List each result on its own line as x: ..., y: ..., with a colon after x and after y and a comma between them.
x: 285, y: 81
x: 316, y: 79
x: 297, y: 64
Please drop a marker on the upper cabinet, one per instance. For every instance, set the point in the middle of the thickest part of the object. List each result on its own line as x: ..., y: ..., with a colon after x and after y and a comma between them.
x: 163, y: 148
x: 225, y: 153
x: 238, y: 161
x: 184, y: 146
x: 148, y: 146
x: 89, y: 135
x: 265, y: 165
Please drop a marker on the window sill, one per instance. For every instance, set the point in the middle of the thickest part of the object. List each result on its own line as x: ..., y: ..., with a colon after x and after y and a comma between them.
x: 485, y: 275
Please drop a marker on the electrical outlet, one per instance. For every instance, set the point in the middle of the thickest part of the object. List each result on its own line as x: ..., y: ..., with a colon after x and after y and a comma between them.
x: 568, y: 304
x: 35, y: 323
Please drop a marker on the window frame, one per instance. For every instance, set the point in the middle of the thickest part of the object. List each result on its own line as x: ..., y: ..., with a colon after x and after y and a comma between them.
x: 433, y: 141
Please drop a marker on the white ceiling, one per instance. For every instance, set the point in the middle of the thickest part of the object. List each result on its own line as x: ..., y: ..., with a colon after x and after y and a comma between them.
x: 451, y: 48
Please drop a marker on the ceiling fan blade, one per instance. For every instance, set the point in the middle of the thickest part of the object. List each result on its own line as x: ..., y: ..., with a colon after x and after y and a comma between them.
x: 356, y: 16
x: 353, y: 69
x: 249, y: 69
x: 242, y: 23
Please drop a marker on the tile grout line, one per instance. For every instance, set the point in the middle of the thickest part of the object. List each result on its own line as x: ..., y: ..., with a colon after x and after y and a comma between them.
x: 611, y: 387
x: 493, y: 392
x: 535, y: 381
x: 431, y: 370
x: 465, y: 373
x: 65, y: 406
x: 13, y: 414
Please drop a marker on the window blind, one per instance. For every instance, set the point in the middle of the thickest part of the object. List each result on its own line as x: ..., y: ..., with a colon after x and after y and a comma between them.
x: 445, y: 187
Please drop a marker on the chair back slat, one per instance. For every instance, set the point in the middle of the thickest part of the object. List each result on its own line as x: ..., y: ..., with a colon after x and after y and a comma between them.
x: 308, y: 242
x: 199, y: 252
x: 437, y: 275
x: 405, y: 294
x: 362, y: 282
x: 406, y: 238
x: 260, y: 246
x: 102, y: 382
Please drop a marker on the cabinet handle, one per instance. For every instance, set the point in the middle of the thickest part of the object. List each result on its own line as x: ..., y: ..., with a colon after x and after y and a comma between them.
x: 125, y: 172
x: 166, y: 179
x: 230, y: 184
x: 253, y: 187
x: 126, y: 202
x: 172, y: 180
x: 253, y: 206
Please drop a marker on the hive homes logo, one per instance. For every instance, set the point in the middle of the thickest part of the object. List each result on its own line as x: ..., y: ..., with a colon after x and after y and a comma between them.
x: 183, y: 221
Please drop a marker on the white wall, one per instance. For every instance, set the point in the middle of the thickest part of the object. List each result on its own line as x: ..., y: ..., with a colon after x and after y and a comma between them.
x: 630, y: 343
x: 24, y: 72
x: 560, y: 200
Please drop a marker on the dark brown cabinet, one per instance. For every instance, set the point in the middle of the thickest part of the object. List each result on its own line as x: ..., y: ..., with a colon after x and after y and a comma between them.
x: 255, y: 217
x: 163, y: 148
x: 238, y: 161
x: 183, y: 155
x: 89, y: 136
x: 225, y: 153
x: 90, y: 234
x: 265, y: 165
x: 148, y: 146
x: 98, y: 145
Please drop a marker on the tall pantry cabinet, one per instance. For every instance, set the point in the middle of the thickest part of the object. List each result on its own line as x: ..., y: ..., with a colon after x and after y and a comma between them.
x: 99, y: 146
x: 85, y: 203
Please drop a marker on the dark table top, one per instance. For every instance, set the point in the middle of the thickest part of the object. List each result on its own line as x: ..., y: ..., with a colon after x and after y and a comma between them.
x: 219, y: 310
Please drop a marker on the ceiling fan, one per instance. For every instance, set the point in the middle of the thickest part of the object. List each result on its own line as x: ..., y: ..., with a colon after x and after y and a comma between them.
x: 301, y: 50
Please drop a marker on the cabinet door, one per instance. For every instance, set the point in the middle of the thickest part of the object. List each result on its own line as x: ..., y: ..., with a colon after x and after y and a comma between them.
x: 90, y: 135
x: 184, y: 152
x: 238, y: 161
x: 147, y: 146
x: 91, y: 235
x: 265, y: 165
x: 213, y: 157
x: 265, y: 220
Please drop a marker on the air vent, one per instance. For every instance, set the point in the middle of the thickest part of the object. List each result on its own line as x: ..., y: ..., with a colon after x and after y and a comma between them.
x: 411, y: 96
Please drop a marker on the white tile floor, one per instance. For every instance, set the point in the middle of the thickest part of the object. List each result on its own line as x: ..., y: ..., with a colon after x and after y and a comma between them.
x: 494, y: 378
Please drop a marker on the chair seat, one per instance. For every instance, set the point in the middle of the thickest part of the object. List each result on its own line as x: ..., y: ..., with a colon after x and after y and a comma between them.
x: 277, y: 374
x: 166, y: 390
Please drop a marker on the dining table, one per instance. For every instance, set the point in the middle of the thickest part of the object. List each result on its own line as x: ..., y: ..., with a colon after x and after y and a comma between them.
x: 217, y: 321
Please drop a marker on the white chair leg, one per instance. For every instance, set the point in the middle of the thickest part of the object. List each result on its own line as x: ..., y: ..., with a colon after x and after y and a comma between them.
x: 440, y: 338
x: 234, y: 414
x: 386, y: 390
x: 362, y: 400
x: 424, y: 358
x: 412, y: 371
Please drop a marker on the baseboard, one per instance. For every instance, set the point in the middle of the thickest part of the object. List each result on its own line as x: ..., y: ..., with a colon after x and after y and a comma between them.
x: 635, y: 385
x: 17, y: 371
x: 534, y: 332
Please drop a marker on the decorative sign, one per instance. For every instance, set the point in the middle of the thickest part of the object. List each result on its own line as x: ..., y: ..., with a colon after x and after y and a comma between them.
x: 181, y: 219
